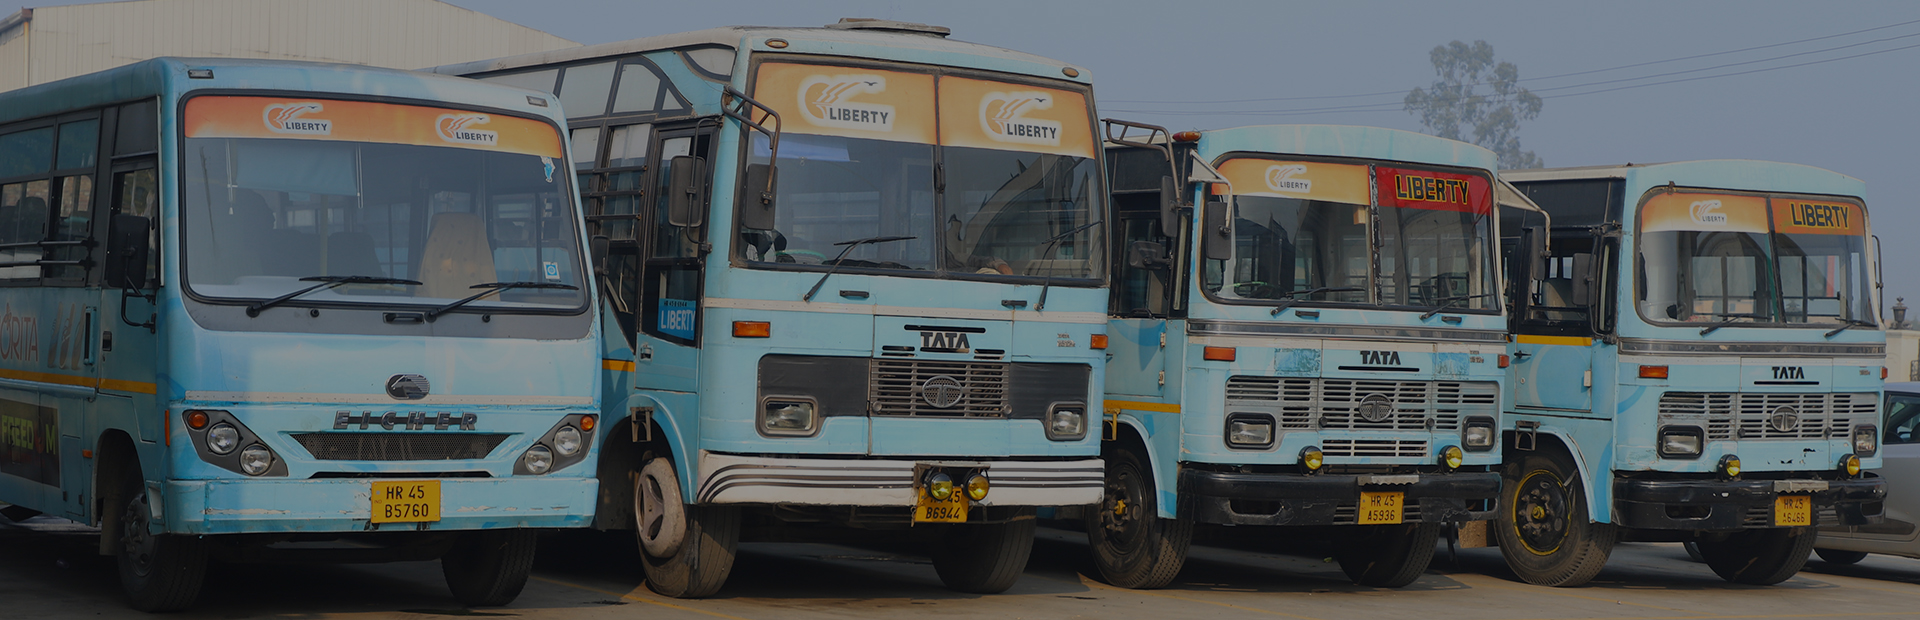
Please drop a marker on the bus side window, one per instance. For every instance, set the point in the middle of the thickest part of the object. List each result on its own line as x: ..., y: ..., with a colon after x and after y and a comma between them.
x: 137, y: 192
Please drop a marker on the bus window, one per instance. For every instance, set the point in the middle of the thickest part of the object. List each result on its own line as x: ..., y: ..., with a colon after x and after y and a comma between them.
x: 137, y: 192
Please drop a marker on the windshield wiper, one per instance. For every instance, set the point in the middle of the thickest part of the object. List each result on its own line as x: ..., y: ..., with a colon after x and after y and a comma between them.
x: 1048, y: 251
x: 843, y: 254
x: 1730, y: 320
x: 1294, y: 296
x: 325, y: 282
x: 494, y: 287
x: 1848, y: 323
x: 1448, y: 302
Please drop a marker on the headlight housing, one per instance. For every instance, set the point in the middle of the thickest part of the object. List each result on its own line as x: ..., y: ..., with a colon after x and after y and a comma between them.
x: 1681, y: 442
x: 789, y: 416
x: 1250, y: 430
x: 1478, y: 435
x: 1866, y: 440
x: 1066, y: 421
x: 221, y: 440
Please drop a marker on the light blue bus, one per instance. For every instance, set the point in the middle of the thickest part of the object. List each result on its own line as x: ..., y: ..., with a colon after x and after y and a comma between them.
x: 246, y: 306
x: 858, y: 278
x: 1319, y: 345
x: 1700, y: 361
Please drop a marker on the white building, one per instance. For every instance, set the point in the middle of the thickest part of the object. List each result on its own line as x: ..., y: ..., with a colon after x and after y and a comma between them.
x: 40, y: 45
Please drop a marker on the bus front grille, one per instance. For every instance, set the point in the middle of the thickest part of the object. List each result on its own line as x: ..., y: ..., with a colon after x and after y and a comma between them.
x: 399, y: 446
x: 1752, y: 415
x: 1334, y: 448
x: 917, y: 387
x: 1334, y: 404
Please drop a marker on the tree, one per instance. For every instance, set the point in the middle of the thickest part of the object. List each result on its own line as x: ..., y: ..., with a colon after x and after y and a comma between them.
x: 1454, y: 102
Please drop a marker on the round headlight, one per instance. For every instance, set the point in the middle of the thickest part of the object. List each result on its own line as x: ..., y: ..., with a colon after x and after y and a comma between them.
x: 1730, y: 466
x: 1850, y: 464
x: 1312, y: 458
x: 223, y: 438
x: 538, y: 459
x: 1452, y: 457
x: 939, y: 486
x: 566, y: 441
x: 255, y: 460
x: 977, y: 487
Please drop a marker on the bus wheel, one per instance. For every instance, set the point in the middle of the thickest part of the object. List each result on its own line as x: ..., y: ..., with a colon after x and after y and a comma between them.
x: 1388, y: 556
x: 984, y: 558
x: 1132, y: 546
x: 1544, y: 527
x: 687, y: 550
x: 489, y: 568
x: 1760, y: 557
x: 1836, y: 556
x: 160, y: 572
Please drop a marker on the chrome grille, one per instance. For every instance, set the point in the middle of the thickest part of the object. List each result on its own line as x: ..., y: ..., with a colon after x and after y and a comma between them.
x: 895, y: 387
x: 1374, y: 447
x: 399, y: 446
x: 1748, y: 415
x: 1304, y: 403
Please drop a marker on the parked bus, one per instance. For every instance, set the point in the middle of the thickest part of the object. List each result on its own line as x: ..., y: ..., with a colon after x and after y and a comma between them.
x: 1319, y: 348
x: 1701, y: 362
x: 250, y: 305
x: 858, y: 278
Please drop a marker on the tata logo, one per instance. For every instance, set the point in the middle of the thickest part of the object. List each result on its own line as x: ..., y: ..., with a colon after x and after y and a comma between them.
x: 409, y: 421
x: 458, y: 129
x: 1376, y: 408
x: 1707, y: 212
x: 1789, y: 372
x: 827, y: 101
x: 408, y: 387
x: 290, y: 118
x: 1003, y: 116
x: 1285, y: 178
x: 952, y: 342
x: 942, y: 392
x: 1784, y: 419
x: 1380, y: 358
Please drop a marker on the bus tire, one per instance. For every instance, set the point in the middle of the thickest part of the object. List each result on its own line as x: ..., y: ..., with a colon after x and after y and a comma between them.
x: 1544, y: 527
x: 984, y: 558
x: 1132, y: 546
x: 159, y: 572
x: 1760, y: 557
x: 1693, y: 551
x: 698, y: 565
x: 1388, y: 556
x: 1836, y: 556
x: 489, y: 568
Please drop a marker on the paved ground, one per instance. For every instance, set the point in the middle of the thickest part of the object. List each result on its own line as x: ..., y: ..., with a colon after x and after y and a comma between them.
x: 47, y: 570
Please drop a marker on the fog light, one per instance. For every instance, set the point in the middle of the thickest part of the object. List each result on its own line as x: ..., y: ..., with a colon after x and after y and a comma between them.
x: 1478, y: 435
x: 939, y: 486
x: 1066, y: 424
x: 255, y: 460
x: 223, y: 438
x: 566, y: 441
x: 1312, y: 458
x: 977, y: 487
x: 1249, y: 431
x: 1452, y: 457
x: 1850, y: 464
x: 538, y: 459
x: 1680, y: 442
x: 1730, y: 466
x: 788, y: 417
x: 1866, y: 440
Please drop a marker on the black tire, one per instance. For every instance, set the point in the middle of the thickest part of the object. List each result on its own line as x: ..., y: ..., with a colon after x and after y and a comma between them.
x: 1388, y: 556
x: 1836, y: 556
x: 1760, y: 557
x: 1132, y: 546
x: 1544, y: 527
x: 700, y: 563
x: 984, y: 558
x: 489, y: 568
x: 159, y: 572
x: 1693, y: 552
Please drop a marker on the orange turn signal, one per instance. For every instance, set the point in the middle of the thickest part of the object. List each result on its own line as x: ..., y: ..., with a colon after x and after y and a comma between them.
x: 1883, y: 373
x: 586, y: 422
x: 1218, y: 354
x: 196, y: 420
x: 752, y: 329
x: 1186, y: 136
x: 1097, y: 341
x: 1504, y: 360
x: 1653, y: 372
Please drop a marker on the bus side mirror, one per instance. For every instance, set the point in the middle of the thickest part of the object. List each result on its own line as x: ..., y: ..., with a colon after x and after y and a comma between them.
x: 127, y: 249
x: 1583, y: 279
x: 1169, y: 207
x: 756, y: 197
x: 1535, y: 243
x: 600, y: 246
x: 1147, y: 255
x: 683, y: 194
x: 1216, y: 240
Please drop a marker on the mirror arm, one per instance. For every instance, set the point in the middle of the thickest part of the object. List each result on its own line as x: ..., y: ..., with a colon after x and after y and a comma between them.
x: 738, y: 106
x: 1165, y: 146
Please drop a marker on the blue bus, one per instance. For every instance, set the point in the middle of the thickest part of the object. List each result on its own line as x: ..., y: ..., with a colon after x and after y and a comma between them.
x: 857, y: 274
x: 247, y: 307
x: 1699, y: 360
x: 1318, y: 344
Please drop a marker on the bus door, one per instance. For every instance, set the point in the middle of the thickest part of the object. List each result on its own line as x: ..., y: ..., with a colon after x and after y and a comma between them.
x: 1553, y: 350
x: 671, y: 264
x: 124, y: 352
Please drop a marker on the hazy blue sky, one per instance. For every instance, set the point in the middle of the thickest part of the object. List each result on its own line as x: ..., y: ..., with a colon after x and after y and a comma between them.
x: 1169, y: 62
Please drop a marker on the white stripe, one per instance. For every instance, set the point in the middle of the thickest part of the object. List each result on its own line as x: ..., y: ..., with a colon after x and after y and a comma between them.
x: 360, y: 399
x: 1049, y: 316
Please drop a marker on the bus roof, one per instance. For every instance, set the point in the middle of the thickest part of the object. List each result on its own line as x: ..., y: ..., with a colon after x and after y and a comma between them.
x: 1346, y: 141
x: 1734, y: 174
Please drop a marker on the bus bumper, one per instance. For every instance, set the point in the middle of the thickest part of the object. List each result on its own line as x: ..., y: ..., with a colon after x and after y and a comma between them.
x: 1297, y: 499
x: 737, y: 479
x: 346, y: 505
x: 1738, y: 504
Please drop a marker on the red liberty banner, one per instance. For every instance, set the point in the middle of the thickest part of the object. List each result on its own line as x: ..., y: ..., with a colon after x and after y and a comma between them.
x: 1439, y: 191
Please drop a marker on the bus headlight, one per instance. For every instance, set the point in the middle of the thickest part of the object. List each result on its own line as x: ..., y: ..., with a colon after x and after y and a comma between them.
x: 1850, y: 464
x: 1478, y: 435
x: 537, y: 460
x: 1249, y: 430
x: 939, y: 486
x: 789, y: 416
x: 1452, y: 457
x: 223, y: 438
x: 1866, y: 440
x: 1066, y: 421
x: 255, y: 460
x: 1680, y: 442
x: 1729, y: 466
x: 1312, y: 458
x: 566, y: 441
x: 977, y: 487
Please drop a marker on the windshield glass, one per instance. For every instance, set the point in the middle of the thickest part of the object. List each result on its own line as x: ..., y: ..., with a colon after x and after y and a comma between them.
x: 1711, y: 258
x: 367, y: 192
x: 1002, y: 183
x: 1302, y: 232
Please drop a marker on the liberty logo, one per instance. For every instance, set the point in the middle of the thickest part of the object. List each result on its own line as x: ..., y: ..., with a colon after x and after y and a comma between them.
x: 286, y: 118
x: 457, y: 128
x: 1003, y: 116
x: 1282, y: 178
x: 1707, y: 212
x: 825, y: 102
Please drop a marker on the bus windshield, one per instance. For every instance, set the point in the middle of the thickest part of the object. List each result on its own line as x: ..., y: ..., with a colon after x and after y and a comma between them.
x: 1007, y: 186
x: 1739, y: 258
x: 264, y: 217
x: 1311, y: 231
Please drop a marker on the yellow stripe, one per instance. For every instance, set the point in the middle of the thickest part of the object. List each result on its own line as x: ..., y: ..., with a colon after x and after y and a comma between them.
x: 118, y: 385
x: 1571, y: 341
x: 620, y: 365
x: 1143, y: 406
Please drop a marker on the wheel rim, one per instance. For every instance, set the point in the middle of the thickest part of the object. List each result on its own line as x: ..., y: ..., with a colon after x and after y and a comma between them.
x: 1541, y: 512
x: 1121, y: 511
x: 136, y: 541
x: 652, y: 508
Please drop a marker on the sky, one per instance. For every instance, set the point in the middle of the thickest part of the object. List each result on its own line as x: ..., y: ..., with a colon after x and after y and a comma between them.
x: 1204, y: 64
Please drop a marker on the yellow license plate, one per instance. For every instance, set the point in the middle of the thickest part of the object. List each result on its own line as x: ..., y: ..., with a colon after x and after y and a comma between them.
x: 1380, y: 508
x: 406, y: 501
x: 1793, y: 510
x: 953, y: 509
